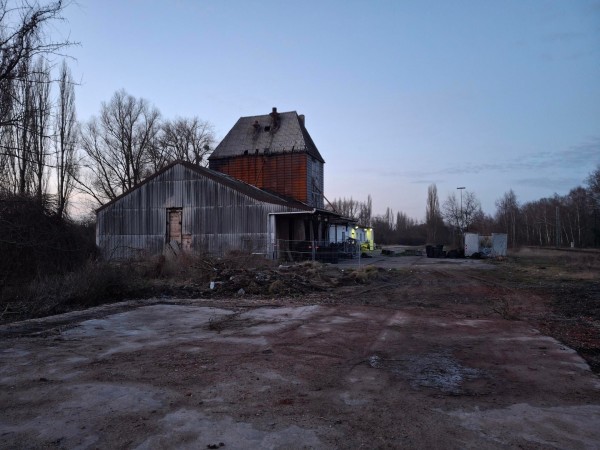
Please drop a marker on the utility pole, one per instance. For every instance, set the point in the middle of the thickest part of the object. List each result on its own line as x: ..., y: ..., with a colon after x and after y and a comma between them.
x: 461, y: 211
x: 462, y: 221
x: 557, y: 227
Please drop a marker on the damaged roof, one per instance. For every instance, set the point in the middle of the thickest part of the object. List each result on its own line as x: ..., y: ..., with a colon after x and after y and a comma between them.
x: 267, y: 134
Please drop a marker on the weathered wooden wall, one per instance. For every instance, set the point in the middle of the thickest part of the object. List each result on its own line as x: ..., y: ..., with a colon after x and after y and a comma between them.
x: 215, y: 216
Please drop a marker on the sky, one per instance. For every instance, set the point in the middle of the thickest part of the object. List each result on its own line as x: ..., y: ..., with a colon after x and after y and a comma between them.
x: 489, y: 95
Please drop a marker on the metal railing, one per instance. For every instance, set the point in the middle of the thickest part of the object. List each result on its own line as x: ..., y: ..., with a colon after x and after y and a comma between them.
x: 323, y: 251
x: 278, y: 249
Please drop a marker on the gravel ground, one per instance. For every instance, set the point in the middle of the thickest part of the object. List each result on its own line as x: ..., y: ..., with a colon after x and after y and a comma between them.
x: 432, y: 355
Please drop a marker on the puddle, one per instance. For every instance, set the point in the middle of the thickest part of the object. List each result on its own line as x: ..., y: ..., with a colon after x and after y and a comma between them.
x: 348, y: 399
x: 433, y: 370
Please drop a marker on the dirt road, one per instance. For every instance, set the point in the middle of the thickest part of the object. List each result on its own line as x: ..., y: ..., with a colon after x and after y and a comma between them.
x: 423, y: 360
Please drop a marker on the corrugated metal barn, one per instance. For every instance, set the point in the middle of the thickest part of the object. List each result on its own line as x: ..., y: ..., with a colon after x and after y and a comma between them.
x: 263, y: 193
x: 188, y: 207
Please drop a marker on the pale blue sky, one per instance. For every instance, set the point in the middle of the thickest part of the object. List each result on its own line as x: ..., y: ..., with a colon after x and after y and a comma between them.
x: 491, y: 95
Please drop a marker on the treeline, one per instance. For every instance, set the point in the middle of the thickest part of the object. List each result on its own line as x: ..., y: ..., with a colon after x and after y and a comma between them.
x: 129, y: 140
x: 559, y: 220
x: 36, y: 242
x: 45, y: 153
x: 34, y: 123
x: 48, y: 157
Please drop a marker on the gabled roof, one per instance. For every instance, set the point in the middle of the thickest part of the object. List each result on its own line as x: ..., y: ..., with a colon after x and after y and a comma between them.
x: 251, y: 191
x: 288, y: 135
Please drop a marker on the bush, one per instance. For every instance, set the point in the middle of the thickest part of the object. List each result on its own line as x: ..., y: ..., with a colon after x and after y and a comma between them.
x: 36, y: 242
x: 362, y: 275
x: 92, y: 285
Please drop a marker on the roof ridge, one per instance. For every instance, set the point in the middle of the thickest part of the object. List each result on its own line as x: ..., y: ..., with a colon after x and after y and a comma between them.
x: 251, y: 136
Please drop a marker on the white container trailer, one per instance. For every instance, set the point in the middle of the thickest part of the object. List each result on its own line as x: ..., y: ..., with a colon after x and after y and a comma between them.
x: 488, y: 246
x: 471, y: 243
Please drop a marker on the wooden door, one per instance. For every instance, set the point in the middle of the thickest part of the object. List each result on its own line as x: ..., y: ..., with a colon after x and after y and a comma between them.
x: 174, y: 221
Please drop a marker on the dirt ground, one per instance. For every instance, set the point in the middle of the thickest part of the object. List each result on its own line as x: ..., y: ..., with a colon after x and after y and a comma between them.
x: 424, y: 354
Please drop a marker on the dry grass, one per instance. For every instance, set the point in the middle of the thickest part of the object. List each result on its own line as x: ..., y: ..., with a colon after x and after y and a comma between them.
x: 188, y: 276
x: 568, y: 281
x: 550, y: 264
x: 507, y: 307
x: 94, y: 284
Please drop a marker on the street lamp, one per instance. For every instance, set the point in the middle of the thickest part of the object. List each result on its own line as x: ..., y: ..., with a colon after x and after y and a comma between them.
x: 461, y: 213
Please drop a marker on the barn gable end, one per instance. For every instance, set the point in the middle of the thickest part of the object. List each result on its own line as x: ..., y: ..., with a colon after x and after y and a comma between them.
x: 217, y: 213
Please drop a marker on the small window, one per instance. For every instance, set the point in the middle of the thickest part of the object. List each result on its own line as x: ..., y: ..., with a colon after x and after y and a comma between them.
x: 268, y: 128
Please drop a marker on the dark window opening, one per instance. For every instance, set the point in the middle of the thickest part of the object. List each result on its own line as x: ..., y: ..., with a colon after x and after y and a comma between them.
x: 267, y: 128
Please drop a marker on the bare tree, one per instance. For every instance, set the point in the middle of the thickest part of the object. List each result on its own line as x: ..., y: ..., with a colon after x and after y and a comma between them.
x: 576, y: 219
x: 459, y: 214
x: 24, y: 91
x: 388, y: 218
x: 347, y: 207
x: 184, y: 139
x: 22, y: 128
x: 25, y: 140
x: 40, y: 125
x: 24, y: 35
x: 507, y: 214
x: 593, y: 184
x: 5, y: 160
x: 366, y: 211
x: 404, y: 223
x: 66, y: 139
x: 10, y: 139
x: 119, y: 145
x: 451, y: 211
x: 433, y: 217
x: 483, y: 223
x: 593, y: 188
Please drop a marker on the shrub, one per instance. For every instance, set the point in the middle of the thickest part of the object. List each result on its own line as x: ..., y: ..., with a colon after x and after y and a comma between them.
x: 94, y: 284
x: 36, y: 242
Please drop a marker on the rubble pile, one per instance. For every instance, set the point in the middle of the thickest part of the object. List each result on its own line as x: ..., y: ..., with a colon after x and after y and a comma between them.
x: 286, y: 280
x: 242, y: 275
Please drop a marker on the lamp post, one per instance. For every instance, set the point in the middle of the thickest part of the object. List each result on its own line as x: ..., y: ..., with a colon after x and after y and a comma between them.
x: 461, y: 212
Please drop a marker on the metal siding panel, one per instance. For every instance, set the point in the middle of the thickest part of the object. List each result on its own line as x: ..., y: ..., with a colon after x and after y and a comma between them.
x: 219, y: 218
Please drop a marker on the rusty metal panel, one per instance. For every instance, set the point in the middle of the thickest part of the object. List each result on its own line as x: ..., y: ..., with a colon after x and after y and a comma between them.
x: 284, y: 173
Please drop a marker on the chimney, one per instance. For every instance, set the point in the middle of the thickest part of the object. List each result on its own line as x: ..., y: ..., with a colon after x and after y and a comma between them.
x: 301, y: 118
x: 274, y: 120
